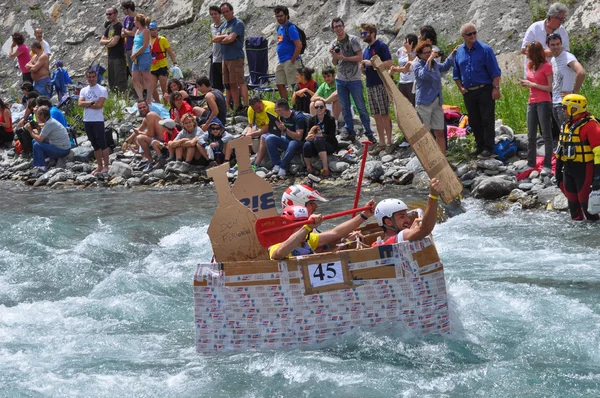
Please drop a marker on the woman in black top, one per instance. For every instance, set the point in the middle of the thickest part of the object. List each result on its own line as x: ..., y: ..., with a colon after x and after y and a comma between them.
x: 321, y: 139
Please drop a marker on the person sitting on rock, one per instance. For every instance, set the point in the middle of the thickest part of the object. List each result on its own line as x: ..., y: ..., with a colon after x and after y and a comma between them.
x: 185, y: 142
x: 175, y: 85
x: 52, y: 141
x: 305, y: 89
x: 321, y: 138
x: 179, y: 108
x: 162, y: 148
x: 305, y: 240
x: 396, y: 221
x: 258, y: 125
x: 216, y: 105
x: 327, y: 92
x: 214, y: 144
x: 293, y: 127
x: 149, y: 130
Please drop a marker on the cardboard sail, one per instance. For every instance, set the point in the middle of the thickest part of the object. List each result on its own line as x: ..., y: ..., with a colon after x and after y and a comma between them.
x: 308, y: 301
x: 231, y: 229
x: 419, y: 138
x: 254, y: 192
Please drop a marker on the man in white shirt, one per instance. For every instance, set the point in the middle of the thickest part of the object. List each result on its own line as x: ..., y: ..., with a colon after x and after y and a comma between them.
x: 568, y: 75
x: 91, y: 99
x: 538, y: 31
x: 39, y: 37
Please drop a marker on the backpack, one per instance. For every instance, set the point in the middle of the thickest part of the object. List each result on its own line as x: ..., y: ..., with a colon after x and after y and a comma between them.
x: 300, y: 32
x: 505, y: 149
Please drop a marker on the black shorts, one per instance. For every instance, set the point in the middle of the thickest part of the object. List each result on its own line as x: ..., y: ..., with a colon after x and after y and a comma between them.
x: 96, y: 135
x: 161, y: 72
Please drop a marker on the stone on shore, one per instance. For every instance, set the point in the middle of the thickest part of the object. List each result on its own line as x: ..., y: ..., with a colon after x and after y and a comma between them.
x: 493, y: 187
x: 120, y: 169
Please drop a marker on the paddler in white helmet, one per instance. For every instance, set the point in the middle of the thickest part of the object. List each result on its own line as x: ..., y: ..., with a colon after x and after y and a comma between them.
x: 394, y: 218
x: 302, y: 195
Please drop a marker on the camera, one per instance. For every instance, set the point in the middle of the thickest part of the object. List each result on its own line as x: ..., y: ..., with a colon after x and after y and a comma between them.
x: 337, y: 48
x: 441, y: 53
x: 33, y: 124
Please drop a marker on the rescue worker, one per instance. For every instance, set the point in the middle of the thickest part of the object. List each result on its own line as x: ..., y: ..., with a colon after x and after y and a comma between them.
x: 578, y: 156
x: 396, y: 221
x: 305, y: 241
x: 303, y: 195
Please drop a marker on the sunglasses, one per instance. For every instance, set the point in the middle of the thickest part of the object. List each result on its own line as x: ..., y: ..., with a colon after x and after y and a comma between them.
x: 338, y: 26
x: 364, y: 34
x: 563, y: 19
x: 108, y: 14
x: 319, y: 107
x: 215, y: 128
x: 426, y: 52
x: 470, y: 33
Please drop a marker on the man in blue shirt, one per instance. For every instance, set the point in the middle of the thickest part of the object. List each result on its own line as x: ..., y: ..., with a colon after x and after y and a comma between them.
x: 293, y: 128
x: 379, y: 101
x: 55, y: 113
x: 289, y: 47
x: 477, y: 76
x: 231, y: 39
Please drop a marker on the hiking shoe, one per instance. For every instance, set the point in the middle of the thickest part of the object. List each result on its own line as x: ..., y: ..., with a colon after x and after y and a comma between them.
x: 389, y: 148
x: 376, y: 149
x: 346, y: 136
x: 281, y: 173
x: 253, y: 166
x: 485, y: 154
x: 276, y: 169
x: 476, y: 152
x: 148, y: 168
x: 233, y: 169
x: 372, y: 139
x: 142, y: 165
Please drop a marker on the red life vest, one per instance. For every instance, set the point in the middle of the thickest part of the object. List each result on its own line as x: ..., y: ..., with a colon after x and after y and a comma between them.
x: 389, y: 241
x: 156, y: 50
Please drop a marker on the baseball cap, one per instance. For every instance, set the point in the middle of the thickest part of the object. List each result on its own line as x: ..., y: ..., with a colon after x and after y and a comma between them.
x: 59, y: 63
x: 153, y: 25
x: 168, y: 123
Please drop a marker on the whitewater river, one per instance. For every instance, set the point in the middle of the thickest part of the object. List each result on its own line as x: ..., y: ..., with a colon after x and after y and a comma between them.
x: 96, y: 301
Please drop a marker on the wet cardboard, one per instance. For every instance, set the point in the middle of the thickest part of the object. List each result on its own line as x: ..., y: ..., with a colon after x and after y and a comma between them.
x: 231, y: 229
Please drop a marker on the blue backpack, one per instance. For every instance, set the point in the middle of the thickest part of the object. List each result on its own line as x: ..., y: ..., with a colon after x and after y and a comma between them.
x: 506, y: 149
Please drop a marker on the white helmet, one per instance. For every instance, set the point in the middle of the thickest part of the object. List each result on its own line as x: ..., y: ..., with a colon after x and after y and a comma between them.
x: 300, y: 194
x: 387, y: 208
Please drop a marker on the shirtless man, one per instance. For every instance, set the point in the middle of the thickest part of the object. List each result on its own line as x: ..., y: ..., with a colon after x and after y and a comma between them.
x: 148, y: 131
x: 39, y: 66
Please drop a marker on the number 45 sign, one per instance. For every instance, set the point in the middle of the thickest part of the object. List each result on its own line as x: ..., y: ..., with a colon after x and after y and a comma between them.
x: 323, y: 274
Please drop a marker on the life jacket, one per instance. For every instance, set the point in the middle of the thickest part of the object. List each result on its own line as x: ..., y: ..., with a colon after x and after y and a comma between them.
x: 570, y: 147
x: 389, y: 241
x: 157, y: 51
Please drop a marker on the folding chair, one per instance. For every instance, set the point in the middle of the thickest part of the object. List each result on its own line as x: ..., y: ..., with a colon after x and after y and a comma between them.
x: 261, y: 82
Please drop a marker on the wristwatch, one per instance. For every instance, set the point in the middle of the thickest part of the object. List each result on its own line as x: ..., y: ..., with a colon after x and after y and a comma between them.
x: 498, y: 87
x: 93, y: 103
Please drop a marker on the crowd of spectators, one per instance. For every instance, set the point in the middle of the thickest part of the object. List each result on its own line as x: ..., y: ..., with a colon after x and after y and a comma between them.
x: 305, y: 120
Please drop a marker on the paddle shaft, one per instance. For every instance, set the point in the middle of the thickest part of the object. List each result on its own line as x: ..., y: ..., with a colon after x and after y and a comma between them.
x: 360, y: 173
x: 301, y: 223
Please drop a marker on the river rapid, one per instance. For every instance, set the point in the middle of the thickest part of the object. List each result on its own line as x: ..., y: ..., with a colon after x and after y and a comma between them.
x: 96, y: 301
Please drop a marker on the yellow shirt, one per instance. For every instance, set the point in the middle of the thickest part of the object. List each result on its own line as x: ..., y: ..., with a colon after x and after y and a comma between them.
x: 312, y: 242
x: 159, y: 63
x: 262, y: 119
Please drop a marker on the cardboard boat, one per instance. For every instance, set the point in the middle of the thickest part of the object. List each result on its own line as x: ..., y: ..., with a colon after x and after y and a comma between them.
x: 244, y: 301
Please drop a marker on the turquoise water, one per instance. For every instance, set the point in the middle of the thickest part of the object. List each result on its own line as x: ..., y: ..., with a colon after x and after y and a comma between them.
x: 96, y: 301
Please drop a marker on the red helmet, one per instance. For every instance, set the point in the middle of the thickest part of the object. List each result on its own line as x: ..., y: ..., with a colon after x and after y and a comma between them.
x: 295, y: 213
x: 300, y: 194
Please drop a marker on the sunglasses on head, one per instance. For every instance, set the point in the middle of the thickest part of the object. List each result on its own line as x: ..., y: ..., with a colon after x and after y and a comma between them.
x: 470, y: 33
x: 319, y: 107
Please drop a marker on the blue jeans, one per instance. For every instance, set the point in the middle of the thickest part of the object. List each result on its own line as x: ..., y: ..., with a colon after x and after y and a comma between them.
x: 43, y: 86
x: 355, y: 89
x: 43, y: 150
x: 275, y: 143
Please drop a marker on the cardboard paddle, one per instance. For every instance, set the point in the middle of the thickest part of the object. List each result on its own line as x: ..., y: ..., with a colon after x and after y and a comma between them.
x: 254, y: 192
x: 420, y: 139
x: 272, y: 230
x: 231, y: 228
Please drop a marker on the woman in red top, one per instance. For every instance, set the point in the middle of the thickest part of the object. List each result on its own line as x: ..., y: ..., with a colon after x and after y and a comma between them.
x: 539, y: 110
x: 6, y: 130
x: 179, y: 107
x: 305, y: 89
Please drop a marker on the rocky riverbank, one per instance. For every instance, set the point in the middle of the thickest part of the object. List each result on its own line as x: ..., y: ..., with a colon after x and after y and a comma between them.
x: 488, y: 179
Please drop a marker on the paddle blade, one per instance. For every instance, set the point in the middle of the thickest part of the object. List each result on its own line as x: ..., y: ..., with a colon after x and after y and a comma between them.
x: 269, y: 238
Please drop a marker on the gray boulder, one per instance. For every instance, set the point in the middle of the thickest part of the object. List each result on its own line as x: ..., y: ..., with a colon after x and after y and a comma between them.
x: 489, y: 164
x: 85, y: 179
x: 548, y: 194
x: 373, y: 170
x: 493, y: 187
x: 81, y: 154
x: 338, y: 167
x: 414, y: 165
x: 120, y: 169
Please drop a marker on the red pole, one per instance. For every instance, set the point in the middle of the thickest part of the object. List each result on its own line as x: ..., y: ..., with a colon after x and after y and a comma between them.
x: 366, y: 143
